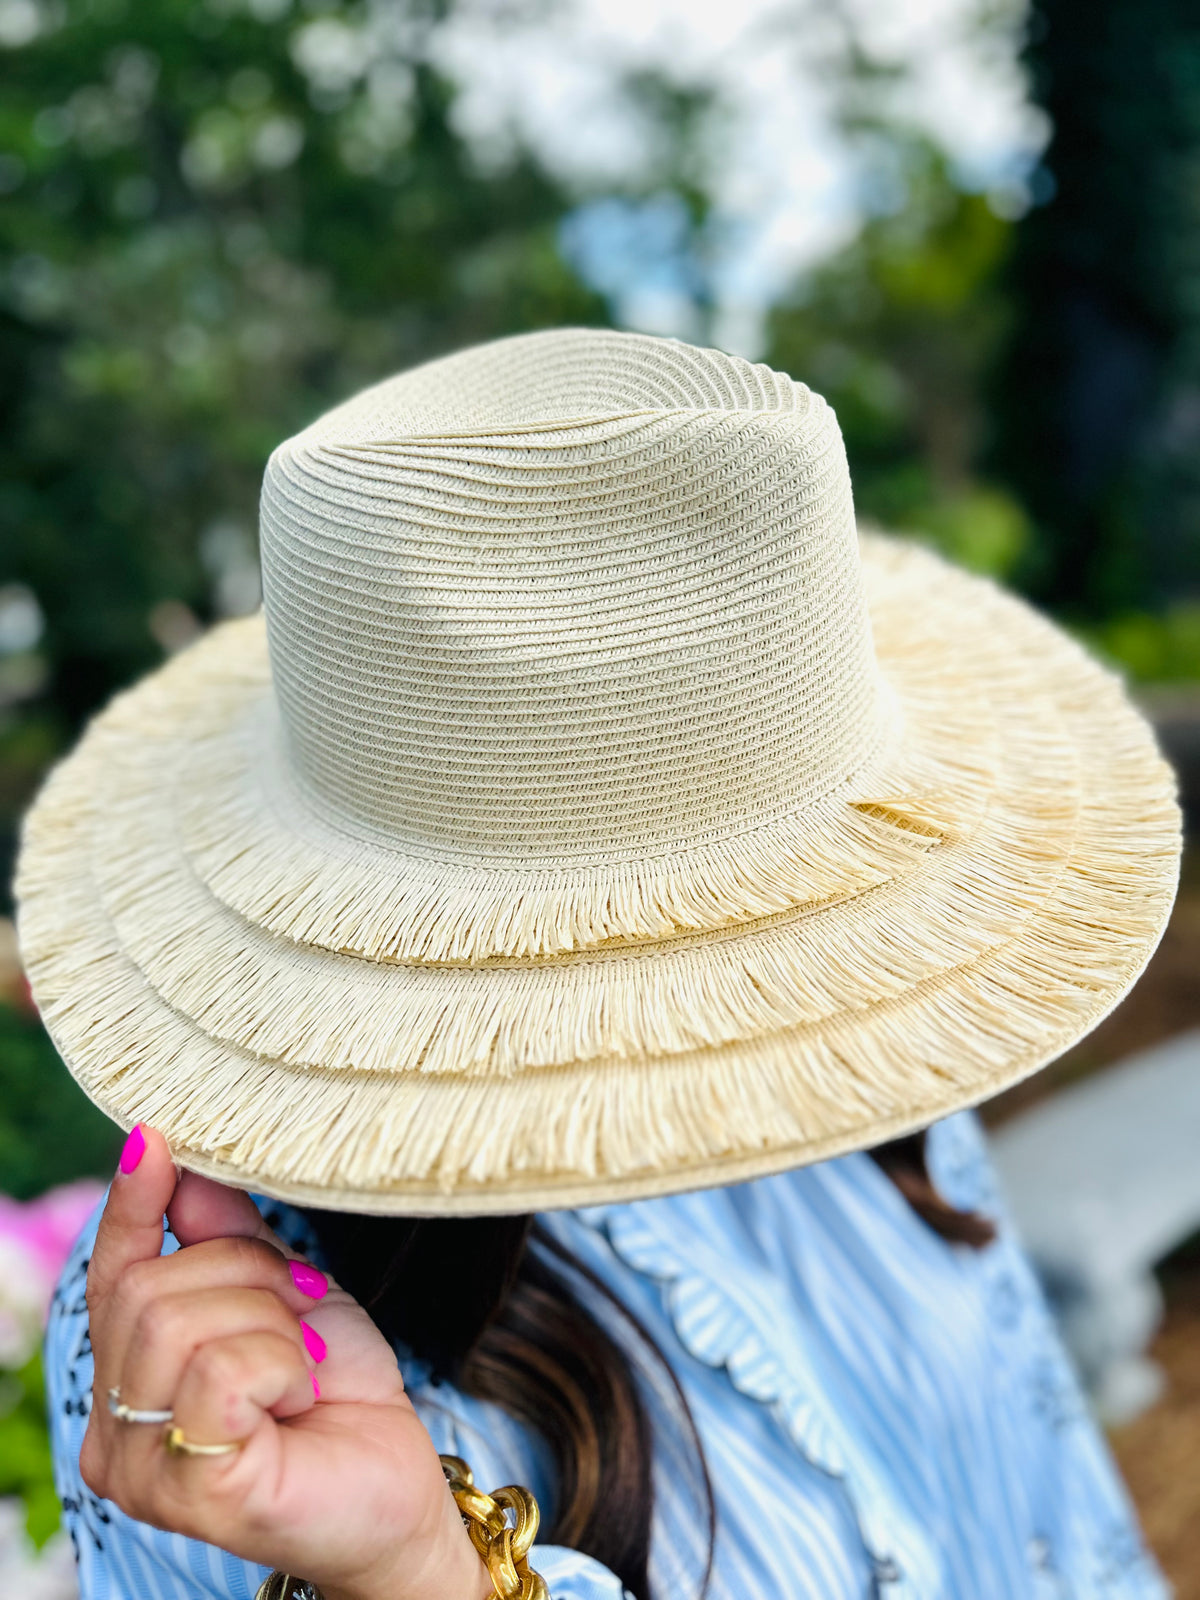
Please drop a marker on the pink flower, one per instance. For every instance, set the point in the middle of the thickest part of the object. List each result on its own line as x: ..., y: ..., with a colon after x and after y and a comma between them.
x: 50, y: 1225
x: 35, y: 1239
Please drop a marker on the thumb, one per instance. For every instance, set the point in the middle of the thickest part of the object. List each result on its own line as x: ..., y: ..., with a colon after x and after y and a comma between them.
x: 131, y: 1227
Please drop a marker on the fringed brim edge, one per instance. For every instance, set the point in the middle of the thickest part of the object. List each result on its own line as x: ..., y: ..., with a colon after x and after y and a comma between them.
x: 621, y: 1126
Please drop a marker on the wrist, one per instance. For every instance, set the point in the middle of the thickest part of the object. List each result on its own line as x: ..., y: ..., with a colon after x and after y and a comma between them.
x: 451, y: 1569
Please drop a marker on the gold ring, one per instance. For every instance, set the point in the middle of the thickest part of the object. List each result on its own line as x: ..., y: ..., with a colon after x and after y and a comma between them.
x: 177, y: 1445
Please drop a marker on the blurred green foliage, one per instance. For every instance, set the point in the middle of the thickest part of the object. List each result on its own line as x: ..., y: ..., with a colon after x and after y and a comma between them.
x: 49, y: 1133
x: 1152, y: 647
x: 899, y: 332
x: 26, y: 1470
x: 222, y: 215
x: 1098, y: 406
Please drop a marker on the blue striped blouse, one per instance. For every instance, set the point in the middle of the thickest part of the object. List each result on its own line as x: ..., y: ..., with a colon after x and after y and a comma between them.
x: 883, y: 1414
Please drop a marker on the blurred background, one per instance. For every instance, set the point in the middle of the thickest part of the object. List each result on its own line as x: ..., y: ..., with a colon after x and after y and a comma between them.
x: 974, y: 225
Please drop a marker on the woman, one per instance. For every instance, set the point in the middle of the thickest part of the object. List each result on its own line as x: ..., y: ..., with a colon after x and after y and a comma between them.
x: 606, y: 847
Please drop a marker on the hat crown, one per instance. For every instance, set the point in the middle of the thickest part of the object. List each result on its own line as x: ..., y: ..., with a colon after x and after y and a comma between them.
x: 576, y: 594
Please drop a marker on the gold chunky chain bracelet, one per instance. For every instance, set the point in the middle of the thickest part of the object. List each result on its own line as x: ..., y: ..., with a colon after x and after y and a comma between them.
x: 503, y: 1546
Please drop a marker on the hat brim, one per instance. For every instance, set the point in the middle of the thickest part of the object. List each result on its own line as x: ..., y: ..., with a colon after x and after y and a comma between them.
x: 1025, y: 843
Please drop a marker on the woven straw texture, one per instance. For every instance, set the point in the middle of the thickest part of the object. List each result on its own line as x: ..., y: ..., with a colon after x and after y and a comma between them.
x: 590, y: 813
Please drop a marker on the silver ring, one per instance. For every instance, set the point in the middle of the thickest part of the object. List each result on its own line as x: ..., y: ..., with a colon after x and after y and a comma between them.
x: 124, y: 1413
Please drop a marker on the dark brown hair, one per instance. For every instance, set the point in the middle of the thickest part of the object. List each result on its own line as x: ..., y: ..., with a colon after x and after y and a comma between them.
x: 498, y: 1308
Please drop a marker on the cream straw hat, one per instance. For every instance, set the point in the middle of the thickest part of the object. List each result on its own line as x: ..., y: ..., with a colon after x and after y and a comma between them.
x: 589, y: 816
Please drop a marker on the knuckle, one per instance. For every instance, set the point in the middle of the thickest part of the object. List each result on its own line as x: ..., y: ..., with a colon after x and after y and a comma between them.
x: 235, y: 1259
x: 93, y: 1294
x: 256, y: 1256
x: 135, y: 1287
x: 162, y: 1323
x: 221, y: 1369
x: 92, y: 1465
x: 278, y: 1319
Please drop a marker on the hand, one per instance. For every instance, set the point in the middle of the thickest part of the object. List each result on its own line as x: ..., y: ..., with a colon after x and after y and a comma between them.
x: 345, y: 1489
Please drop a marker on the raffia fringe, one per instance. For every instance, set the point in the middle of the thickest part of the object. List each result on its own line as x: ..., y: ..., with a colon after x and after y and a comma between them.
x: 310, y: 1007
x: 263, y: 851
x: 1093, y: 888
x: 382, y: 1142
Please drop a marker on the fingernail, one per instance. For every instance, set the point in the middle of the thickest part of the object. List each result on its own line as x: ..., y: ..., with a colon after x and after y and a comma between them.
x: 308, y: 1280
x: 313, y: 1342
x: 316, y: 1386
x: 135, y: 1147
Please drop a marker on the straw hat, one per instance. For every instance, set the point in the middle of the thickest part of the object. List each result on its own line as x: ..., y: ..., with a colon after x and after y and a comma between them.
x: 589, y: 815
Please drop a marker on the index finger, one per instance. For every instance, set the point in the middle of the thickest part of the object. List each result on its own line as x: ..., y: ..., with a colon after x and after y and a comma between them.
x: 131, y: 1226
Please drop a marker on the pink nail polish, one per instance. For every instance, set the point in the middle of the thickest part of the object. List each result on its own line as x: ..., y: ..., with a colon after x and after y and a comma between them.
x: 316, y: 1386
x: 308, y: 1280
x: 135, y: 1147
x: 313, y: 1342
